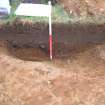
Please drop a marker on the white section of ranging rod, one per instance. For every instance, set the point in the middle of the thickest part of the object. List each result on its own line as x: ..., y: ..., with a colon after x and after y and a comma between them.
x: 50, y: 22
x: 5, y: 4
x: 50, y: 32
x: 29, y: 9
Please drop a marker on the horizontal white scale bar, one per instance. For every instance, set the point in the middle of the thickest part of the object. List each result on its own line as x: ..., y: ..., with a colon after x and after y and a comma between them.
x: 28, y: 9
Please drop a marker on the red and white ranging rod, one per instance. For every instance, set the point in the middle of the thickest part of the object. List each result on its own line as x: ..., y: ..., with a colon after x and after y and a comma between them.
x: 50, y: 33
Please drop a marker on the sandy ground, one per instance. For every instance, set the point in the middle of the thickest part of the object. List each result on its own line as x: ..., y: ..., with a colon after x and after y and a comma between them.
x: 76, y: 80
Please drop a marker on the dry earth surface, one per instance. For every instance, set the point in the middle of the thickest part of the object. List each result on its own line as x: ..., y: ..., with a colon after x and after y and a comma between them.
x: 84, y: 7
x: 76, y: 80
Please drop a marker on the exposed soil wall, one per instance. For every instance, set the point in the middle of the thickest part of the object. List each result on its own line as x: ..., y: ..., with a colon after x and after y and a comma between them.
x: 67, y: 37
x: 62, y: 33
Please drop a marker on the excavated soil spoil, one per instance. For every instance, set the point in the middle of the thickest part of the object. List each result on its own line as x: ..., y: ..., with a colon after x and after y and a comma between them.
x: 77, y: 79
x: 84, y: 7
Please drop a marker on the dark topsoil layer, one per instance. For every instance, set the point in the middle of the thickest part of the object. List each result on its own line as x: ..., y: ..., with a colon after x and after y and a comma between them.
x: 66, y: 37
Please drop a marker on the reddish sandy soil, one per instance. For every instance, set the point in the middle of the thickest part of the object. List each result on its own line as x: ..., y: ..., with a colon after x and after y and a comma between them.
x: 77, y: 80
x: 84, y: 7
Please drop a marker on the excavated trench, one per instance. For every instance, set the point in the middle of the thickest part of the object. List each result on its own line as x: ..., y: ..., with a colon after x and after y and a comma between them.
x: 79, y: 79
x: 30, y: 41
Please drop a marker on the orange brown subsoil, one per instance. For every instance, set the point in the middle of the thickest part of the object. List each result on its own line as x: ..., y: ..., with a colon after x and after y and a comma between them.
x: 76, y: 80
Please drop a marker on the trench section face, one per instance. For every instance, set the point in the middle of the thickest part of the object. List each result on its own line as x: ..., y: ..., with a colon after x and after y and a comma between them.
x: 66, y: 38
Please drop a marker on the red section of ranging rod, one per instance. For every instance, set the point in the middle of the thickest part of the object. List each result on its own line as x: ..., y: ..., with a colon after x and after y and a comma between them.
x: 50, y: 46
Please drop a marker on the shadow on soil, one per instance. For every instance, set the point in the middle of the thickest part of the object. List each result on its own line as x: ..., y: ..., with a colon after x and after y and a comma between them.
x: 30, y: 41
